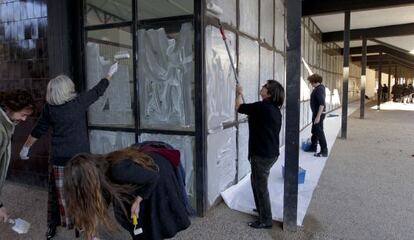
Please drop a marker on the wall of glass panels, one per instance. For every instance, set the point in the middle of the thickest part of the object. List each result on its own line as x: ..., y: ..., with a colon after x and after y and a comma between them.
x: 257, y: 46
x: 24, y: 65
x: 151, y: 97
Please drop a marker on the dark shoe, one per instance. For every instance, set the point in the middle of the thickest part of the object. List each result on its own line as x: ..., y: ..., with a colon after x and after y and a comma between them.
x: 51, y: 232
x: 258, y: 225
x: 255, y: 210
x: 321, y: 154
x: 310, y: 149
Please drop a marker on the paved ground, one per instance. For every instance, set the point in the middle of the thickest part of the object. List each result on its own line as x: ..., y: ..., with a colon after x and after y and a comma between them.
x: 365, y: 192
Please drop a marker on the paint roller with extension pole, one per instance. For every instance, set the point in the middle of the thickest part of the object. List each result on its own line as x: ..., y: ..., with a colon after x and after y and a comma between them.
x: 217, y: 11
x: 121, y: 55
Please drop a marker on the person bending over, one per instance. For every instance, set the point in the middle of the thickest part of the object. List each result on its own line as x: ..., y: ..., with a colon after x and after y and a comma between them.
x: 137, y: 183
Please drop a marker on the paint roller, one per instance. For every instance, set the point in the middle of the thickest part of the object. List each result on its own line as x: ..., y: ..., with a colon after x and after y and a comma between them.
x: 307, y: 66
x: 216, y: 11
x: 121, y: 55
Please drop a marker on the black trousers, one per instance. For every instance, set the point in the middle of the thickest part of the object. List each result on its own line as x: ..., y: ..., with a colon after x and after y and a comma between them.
x: 318, y: 135
x: 259, y: 177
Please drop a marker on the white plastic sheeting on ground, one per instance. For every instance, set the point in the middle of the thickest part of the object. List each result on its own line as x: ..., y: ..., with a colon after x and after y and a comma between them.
x: 240, y: 197
x: 165, y: 73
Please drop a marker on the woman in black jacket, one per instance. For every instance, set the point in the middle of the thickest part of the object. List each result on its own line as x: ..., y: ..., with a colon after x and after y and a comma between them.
x: 65, y: 113
x: 138, y: 184
x: 265, y: 121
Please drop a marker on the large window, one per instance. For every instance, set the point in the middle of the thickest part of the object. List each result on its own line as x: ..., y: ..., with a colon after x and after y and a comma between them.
x: 108, y: 11
x: 151, y: 97
x: 115, y: 107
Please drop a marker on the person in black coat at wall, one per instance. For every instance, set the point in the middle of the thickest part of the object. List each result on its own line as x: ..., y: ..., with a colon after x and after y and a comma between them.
x: 317, y: 103
x: 137, y: 183
x: 265, y: 121
x: 65, y: 113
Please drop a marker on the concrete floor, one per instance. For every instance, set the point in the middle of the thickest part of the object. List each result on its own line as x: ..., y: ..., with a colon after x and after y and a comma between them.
x: 365, y: 192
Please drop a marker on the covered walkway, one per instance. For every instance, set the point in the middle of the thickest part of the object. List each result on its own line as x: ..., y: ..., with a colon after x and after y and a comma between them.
x: 365, y: 192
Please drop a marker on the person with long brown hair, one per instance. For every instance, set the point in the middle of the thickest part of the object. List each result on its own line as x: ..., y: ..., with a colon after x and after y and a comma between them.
x: 137, y: 183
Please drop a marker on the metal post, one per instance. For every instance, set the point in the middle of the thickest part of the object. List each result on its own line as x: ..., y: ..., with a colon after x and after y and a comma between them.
x: 293, y: 60
x: 395, y: 75
x: 389, y: 82
x: 363, y: 77
x: 345, y: 74
x: 200, y: 121
x: 379, y: 89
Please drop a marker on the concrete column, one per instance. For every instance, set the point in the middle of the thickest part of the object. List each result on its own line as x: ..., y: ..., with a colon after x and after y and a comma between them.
x: 293, y: 63
x: 379, y: 89
x: 345, y: 75
x: 363, y: 77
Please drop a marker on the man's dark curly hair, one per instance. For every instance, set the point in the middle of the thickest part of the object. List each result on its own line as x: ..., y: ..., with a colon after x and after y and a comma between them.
x: 17, y: 100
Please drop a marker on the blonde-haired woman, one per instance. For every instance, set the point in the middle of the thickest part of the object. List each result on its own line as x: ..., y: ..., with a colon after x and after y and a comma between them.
x: 64, y: 112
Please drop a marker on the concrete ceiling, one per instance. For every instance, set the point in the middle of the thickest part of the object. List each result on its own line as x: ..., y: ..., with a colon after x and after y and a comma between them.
x: 366, y: 19
x: 369, y: 19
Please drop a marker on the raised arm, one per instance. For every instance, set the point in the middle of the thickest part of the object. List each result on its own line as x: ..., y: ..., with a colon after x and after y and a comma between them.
x: 92, y: 95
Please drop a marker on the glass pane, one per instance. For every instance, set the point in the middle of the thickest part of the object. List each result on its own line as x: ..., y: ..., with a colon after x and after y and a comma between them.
x: 249, y: 69
x: 185, y: 144
x: 114, y: 108
x: 280, y: 25
x: 243, y: 167
x: 266, y: 65
x: 108, y: 11
x: 166, y: 78
x: 150, y: 9
x: 280, y: 68
x: 266, y: 21
x: 249, y: 17
x: 221, y: 162
x: 103, y: 142
x: 220, y: 79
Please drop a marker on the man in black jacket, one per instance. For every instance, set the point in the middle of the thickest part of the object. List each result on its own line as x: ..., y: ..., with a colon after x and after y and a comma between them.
x: 15, y: 107
x: 318, y: 107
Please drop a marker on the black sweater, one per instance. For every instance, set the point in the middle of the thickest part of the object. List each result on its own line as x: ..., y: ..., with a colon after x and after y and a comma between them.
x: 265, y: 121
x: 68, y: 123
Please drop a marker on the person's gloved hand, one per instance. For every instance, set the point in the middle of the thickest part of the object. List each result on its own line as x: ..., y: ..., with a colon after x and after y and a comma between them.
x: 24, y: 153
x: 3, y: 214
x: 113, y: 69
